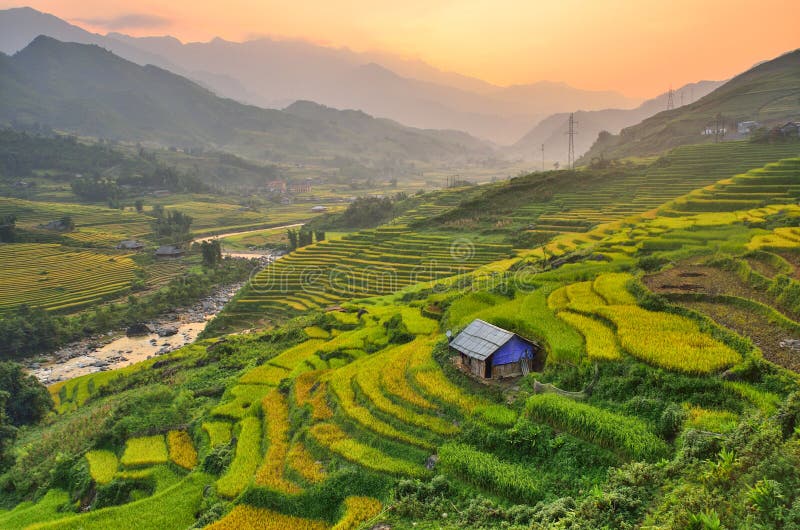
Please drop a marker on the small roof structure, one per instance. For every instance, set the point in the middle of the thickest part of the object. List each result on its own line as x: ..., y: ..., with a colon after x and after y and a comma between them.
x: 480, y: 339
x: 169, y: 250
x: 130, y: 244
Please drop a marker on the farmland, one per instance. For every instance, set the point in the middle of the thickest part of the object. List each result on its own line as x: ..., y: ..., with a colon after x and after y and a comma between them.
x: 664, y: 388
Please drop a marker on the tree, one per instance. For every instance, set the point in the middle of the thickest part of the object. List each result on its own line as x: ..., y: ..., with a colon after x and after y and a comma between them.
x: 173, y: 227
x: 8, y: 228
x: 8, y: 433
x: 67, y: 223
x: 212, y: 253
x: 320, y: 235
x: 139, y: 205
x: 304, y: 238
x: 28, y: 401
x: 292, y: 235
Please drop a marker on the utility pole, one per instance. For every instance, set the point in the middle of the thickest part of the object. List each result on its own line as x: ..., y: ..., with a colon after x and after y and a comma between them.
x: 670, y: 99
x: 571, y: 133
x: 542, y: 157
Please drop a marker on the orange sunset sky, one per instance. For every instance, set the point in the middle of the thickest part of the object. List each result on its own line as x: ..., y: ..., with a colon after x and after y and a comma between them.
x: 637, y: 47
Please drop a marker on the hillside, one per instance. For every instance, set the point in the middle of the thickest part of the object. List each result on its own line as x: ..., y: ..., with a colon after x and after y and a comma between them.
x: 768, y: 93
x: 664, y: 393
x: 89, y: 91
x: 552, y: 131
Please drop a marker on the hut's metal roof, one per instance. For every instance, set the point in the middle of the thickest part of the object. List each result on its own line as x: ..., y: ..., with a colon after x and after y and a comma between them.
x: 480, y: 339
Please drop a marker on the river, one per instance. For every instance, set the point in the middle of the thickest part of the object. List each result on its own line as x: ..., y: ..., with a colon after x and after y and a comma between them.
x: 115, y: 350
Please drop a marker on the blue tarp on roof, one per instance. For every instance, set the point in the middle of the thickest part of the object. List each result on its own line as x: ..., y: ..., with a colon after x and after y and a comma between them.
x: 480, y: 340
x: 512, y: 351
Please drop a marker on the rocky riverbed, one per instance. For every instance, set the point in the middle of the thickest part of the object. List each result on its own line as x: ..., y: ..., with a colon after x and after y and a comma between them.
x: 114, y: 350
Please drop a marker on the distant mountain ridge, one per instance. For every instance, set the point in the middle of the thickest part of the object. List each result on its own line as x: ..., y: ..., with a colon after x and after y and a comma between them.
x: 90, y: 91
x: 552, y: 131
x: 272, y: 73
x: 768, y: 93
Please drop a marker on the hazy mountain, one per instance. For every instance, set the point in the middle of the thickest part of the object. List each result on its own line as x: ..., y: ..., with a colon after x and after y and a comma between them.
x: 274, y: 73
x: 552, y: 131
x: 767, y: 93
x: 90, y: 91
x: 19, y: 26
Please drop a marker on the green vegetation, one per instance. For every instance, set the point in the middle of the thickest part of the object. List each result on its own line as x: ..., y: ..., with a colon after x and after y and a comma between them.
x: 648, y: 404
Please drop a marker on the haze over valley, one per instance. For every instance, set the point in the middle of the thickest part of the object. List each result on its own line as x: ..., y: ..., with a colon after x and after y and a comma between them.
x: 392, y: 266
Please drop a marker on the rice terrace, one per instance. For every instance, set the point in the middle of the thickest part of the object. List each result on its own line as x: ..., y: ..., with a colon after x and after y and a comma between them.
x: 328, y: 267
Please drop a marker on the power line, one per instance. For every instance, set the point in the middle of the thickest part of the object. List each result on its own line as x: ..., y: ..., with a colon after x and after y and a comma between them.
x: 542, y: 157
x: 571, y: 133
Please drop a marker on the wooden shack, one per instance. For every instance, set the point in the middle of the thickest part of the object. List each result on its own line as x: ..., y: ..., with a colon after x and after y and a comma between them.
x: 490, y: 352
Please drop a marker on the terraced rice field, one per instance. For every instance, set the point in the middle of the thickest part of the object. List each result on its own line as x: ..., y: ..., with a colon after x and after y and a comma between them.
x: 90, y: 221
x: 684, y: 169
x: 367, y: 263
x: 774, y: 183
x: 59, y: 278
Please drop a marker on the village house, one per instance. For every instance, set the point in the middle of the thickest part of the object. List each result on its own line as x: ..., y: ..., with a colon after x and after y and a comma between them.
x: 130, y: 244
x: 318, y: 209
x: 747, y: 127
x: 169, y: 251
x: 490, y: 352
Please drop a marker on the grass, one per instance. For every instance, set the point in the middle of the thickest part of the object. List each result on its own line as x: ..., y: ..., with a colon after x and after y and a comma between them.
x: 334, y: 439
x: 219, y: 432
x: 244, y: 517
x: 357, y: 512
x: 245, y: 462
x: 271, y: 472
x: 28, y: 513
x: 145, y: 451
x: 174, y: 507
x: 601, y: 344
x: 102, y: 465
x: 622, y: 434
x: 670, y: 341
x: 488, y: 472
x: 181, y: 449
x: 302, y: 462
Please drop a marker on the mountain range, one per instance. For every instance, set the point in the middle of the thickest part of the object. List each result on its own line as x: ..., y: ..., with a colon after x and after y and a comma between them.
x: 274, y: 73
x: 88, y: 90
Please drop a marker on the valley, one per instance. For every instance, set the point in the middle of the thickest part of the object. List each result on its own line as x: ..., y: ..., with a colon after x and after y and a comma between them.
x: 220, y: 316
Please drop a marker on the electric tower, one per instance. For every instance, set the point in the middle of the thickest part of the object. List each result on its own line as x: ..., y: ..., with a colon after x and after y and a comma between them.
x: 571, y: 133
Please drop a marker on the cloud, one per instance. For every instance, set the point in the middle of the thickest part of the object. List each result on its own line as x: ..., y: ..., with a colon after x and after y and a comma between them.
x: 129, y: 21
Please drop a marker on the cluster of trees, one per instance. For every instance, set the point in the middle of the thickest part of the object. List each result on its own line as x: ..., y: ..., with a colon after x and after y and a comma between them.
x: 96, y: 189
x: 8, y: 228
x: 301, y: 238
x: 212, y: 253
x: 102, y: 188
x: 171, y: 226
x: 368, y: 211
x: 23, y: 401
x: 21, y: 154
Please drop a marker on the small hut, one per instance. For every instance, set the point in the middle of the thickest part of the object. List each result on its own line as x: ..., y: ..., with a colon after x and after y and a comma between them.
x: 169, y: 251
x: 130, y: 244
x: 490, y: 352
